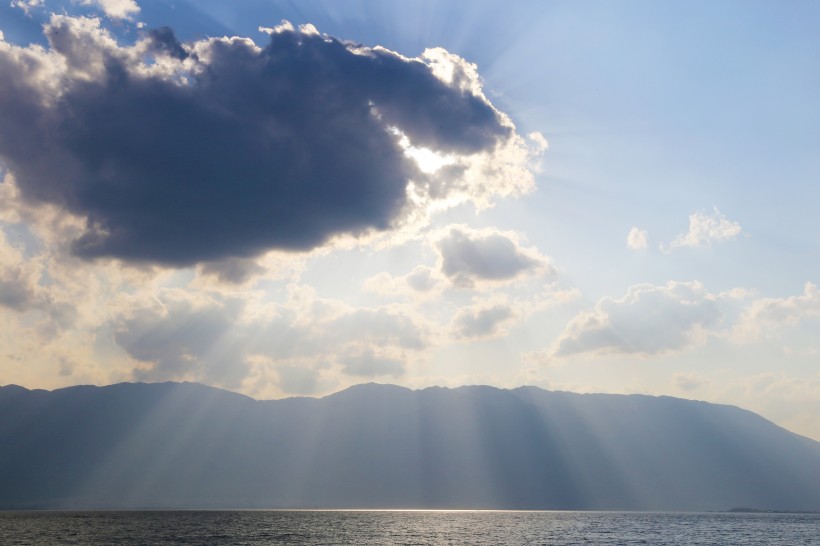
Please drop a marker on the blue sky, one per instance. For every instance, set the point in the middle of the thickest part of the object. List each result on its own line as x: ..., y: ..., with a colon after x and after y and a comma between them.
x: 691, y: 126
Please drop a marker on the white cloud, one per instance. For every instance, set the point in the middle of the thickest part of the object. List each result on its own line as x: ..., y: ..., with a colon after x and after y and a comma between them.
x: 637, y: 239
x: 116, y: 9
x: 737, y: 293
x: 705, y: 229
x: 765, y: 316
x: 26, y: 5
x: 649, y: 320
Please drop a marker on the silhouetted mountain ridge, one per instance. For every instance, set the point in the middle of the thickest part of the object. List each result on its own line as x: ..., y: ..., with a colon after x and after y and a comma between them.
x: 169, y: 445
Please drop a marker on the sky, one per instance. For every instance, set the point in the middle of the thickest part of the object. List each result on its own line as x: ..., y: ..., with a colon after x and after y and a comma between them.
x: 289, y: 198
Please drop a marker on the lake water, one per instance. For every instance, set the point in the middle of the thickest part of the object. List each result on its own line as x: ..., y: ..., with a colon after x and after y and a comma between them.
x: 406, y: 527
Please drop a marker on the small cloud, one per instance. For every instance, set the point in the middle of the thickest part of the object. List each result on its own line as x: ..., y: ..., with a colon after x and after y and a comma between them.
x: 705, y: 229
x: 115, y: 9
x: 482, y: 321
x: 422, y: 279
x: 421, y: 282
x: 469, y: 256
x: 540, y: 359
x: 366, y: 364
x: 232, y: 270
x: 688, y: 381
x: 737, y: 293
x: 27, y: 6
x: 637, y: 239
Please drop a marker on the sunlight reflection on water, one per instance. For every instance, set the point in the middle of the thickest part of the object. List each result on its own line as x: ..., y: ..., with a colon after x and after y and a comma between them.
x: 405, y: 527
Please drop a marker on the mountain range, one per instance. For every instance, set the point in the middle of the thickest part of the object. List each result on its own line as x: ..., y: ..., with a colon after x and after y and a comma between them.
x: 185, y: 445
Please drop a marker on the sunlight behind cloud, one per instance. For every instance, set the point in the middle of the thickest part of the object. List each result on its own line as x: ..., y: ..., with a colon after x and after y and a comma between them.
x: 427, y: 160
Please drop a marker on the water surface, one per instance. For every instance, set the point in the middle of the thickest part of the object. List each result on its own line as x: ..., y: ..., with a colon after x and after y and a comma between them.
x: 406, y: 527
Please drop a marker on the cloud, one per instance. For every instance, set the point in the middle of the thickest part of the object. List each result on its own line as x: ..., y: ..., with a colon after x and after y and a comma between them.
x: 637, y: 239
x: 689, y: 381
x: 539, y: 359
x: 765, y: 316
x: 232, y: 270
x: 376, y: 327
x: 185, y: 338
x: 183, y: 335
x: 468, y: 256
x: 218, y: 149
x: 791, y: 400
x: 18, y: 278
x: 116, y: 9
x: 27, y: 5
x: 705, y: 229
x: 421, y: 282
x: 649, y: 320
x: 366, y: 364
x: 298, y: 379
x: 482, y: 321
x: 422, y: 279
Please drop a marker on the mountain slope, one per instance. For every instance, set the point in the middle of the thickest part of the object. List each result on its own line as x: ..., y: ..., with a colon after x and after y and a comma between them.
x: 186, y: 445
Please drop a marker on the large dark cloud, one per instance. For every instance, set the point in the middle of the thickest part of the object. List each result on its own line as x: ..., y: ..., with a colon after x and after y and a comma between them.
x: 220, y: 149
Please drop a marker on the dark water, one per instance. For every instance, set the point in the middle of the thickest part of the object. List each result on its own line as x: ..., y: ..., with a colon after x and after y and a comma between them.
x: 421, y: 528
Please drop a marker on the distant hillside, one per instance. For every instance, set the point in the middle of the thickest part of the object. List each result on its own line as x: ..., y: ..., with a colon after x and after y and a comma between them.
x: 186, y: 445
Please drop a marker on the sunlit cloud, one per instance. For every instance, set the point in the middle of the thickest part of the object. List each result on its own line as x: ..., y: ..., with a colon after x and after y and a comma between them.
x: 637, y: 239
x: 648, y: 320
x: 116, y: 9
x: 705, y: 229
x: 764, y: 317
